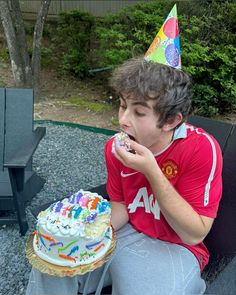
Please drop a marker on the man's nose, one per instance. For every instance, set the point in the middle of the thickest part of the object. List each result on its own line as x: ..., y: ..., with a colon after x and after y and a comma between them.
x: 124, y: 118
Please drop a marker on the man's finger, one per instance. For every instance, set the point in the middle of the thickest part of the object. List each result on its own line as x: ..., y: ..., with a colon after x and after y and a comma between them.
x: 138, y: 148
x: 122, y: 154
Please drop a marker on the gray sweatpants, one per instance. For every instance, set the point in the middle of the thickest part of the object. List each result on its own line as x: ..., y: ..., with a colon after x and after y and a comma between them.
x: 140, y: 265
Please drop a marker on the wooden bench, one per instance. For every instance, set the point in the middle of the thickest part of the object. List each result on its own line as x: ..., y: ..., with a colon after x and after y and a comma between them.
x: 221, y: 241
x: 18, y: 141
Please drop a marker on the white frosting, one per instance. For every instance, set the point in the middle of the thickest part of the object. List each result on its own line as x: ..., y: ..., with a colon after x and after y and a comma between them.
x: 74, y: 231
x: 122, y: 139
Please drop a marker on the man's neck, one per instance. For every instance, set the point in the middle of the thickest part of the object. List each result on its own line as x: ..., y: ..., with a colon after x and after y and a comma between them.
x: 162, y: 144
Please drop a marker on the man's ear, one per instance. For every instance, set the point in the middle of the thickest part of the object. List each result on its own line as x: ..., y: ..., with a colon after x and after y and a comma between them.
x: 173, y: 122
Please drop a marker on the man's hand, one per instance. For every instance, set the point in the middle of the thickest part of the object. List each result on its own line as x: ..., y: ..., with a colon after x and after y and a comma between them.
x: 142, y: 160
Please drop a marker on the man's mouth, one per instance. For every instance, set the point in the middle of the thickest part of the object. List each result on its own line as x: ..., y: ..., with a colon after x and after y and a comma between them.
x: 131, y: 137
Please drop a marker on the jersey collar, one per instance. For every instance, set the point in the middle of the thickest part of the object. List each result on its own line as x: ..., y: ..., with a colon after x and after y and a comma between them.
x: 180, y: 132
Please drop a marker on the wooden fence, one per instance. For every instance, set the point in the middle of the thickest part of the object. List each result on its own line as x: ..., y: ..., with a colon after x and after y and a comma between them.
x: 97, y: 8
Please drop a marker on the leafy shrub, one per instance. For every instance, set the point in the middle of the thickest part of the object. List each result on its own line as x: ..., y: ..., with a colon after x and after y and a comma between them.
x: 208, y: 39
x: 208, y: 44
x: 209, y: 54
x: 72, y: 41
x: 128, y: 33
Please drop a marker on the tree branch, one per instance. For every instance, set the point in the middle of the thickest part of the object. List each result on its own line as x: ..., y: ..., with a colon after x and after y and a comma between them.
x: 13, y: 46
x: 38, y: 33
x: 21, y: 40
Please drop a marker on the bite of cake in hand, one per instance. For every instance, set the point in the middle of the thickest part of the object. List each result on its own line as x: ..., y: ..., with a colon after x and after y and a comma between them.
x: 74, y: 231
x: 123, y: 140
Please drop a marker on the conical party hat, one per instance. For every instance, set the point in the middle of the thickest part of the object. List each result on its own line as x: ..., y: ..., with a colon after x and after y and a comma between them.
x: 165, y: 48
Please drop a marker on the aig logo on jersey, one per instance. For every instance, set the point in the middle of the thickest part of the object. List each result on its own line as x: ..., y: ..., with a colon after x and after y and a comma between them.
x: 169, y: 169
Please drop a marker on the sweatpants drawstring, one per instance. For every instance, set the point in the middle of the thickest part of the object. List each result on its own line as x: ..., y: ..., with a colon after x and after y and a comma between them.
x: 107, y: 264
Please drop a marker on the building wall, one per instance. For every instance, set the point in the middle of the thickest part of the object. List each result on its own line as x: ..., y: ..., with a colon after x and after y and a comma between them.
x: 97, y: 7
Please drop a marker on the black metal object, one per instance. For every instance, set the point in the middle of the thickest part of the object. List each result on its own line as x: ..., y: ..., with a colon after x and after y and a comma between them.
x: 221, y: 240
x: 219, y: 129
x: 225, y: 283
x: 222, y: 237
x: 18, y: 142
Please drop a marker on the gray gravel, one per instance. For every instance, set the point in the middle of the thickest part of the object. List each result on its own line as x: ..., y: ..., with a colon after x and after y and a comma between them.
x: 68, y: 159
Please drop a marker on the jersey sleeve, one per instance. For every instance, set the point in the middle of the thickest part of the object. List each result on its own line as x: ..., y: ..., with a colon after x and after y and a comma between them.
x: 201, y: 180
x: 114, y: 186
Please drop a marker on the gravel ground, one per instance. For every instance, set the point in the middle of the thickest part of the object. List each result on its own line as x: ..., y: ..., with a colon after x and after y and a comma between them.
x: 68, y: 159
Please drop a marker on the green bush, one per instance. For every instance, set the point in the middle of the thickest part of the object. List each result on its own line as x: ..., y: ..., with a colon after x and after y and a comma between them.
x: 208, y: 39
x: 73, y: 42
x: 128, y: 33
x: 207, y: 36
x: 209, y: 55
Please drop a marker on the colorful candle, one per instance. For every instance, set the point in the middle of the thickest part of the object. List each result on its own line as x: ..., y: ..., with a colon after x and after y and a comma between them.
x: 77, y: 212
x: 59, y: 205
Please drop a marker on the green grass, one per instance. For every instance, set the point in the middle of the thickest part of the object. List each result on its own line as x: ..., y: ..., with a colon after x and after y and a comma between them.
x: 115, y: 121
x: 98, y: 107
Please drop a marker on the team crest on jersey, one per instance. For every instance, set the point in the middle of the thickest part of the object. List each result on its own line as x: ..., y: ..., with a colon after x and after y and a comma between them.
x: 169, y: 169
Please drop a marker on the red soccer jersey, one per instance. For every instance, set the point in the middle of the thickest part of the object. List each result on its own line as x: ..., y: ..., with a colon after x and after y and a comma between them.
x: 193, y: 165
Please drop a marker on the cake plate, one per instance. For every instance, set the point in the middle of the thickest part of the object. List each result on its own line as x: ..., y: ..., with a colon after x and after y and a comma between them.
x: 63, y: 271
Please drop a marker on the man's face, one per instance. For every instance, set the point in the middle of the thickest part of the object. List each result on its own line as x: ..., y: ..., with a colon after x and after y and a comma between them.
x: 139, y: 121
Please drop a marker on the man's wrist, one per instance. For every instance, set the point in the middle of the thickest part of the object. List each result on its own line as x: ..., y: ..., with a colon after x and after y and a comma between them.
x: 153, y: 172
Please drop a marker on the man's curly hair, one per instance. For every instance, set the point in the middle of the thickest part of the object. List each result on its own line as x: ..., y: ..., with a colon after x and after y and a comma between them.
x: 142, y: 80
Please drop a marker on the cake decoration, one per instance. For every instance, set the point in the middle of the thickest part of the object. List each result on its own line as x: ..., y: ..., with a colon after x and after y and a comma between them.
x: 74, y: 231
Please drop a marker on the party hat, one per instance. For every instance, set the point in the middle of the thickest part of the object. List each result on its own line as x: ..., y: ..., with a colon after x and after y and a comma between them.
x: 165, y: 48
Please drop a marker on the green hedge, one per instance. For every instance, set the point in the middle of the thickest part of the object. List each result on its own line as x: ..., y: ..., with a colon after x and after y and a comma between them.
x: 207, y: 36
x: 208, y: 40
x: 72, y: 42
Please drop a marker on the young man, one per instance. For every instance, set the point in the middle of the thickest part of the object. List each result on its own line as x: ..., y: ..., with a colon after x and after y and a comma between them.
x: 164, y: 196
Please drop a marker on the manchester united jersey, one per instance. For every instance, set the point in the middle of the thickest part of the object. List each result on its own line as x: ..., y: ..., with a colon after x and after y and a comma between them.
x: 193, y: 165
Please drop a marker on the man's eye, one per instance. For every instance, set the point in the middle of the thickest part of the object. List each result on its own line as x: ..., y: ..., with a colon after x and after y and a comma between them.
x: 139, y: 114
x: 122, y: 106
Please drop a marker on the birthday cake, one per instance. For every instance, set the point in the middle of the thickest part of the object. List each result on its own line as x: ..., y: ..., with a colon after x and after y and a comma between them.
x: 74, y: 231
